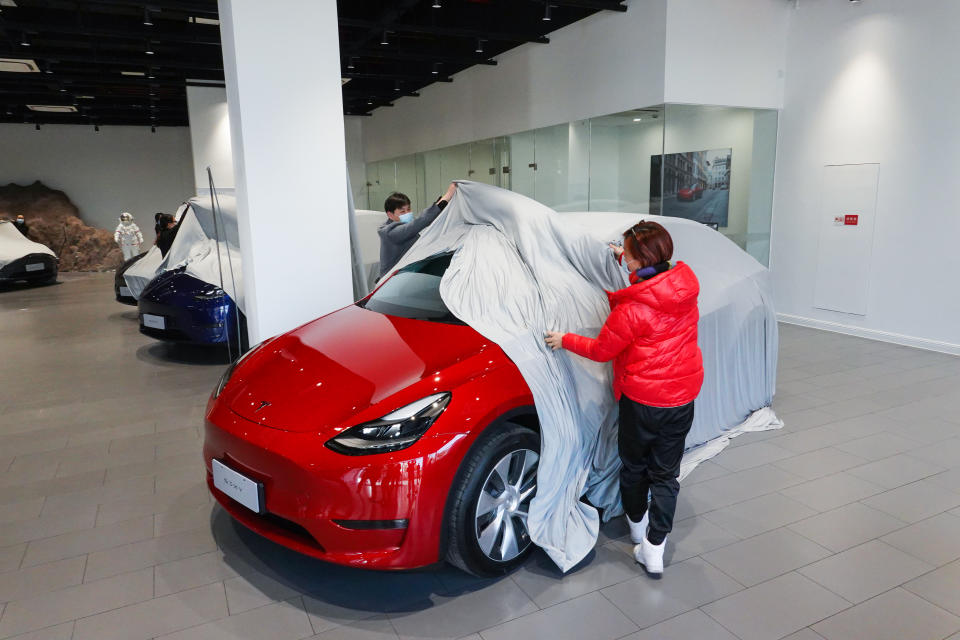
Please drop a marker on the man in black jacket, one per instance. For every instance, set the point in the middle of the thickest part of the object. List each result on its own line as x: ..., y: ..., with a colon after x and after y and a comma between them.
x: 401, y: 230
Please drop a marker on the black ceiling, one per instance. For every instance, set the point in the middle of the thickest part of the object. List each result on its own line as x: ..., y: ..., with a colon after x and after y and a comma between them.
x: 82, y: 48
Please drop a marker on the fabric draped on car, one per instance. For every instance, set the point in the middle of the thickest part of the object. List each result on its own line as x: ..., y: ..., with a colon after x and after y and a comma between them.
x: 520, y: 269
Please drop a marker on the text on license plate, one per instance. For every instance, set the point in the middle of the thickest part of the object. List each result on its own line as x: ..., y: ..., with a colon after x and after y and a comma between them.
x: 238, y: 486
x: 154, y: 322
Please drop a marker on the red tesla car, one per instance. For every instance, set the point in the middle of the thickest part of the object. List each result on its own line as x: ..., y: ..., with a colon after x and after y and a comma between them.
x: 387, y: 435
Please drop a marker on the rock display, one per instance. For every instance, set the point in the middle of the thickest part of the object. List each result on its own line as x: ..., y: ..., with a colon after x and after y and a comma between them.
x: 55, y: 221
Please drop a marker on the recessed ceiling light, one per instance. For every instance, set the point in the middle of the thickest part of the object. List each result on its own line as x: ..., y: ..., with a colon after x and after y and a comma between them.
x: 18, y: 65
x: 198, y: 20
x: 7, y: 3
x: 84, y: 97
x: 344, y: 81
x: 24, y: 40
x: 52, y: 108
x: 546, y: 13
x: 638, y: 119
x: 132, y: 73
x: 147, y: 21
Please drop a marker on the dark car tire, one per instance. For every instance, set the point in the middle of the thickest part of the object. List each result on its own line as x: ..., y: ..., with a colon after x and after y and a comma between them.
x: 463, y: 545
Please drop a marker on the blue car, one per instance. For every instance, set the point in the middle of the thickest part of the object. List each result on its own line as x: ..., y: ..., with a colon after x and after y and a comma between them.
x: 176, y: 307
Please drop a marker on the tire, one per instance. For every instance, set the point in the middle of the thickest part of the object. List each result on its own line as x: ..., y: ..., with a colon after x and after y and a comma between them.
x: 484, y: 514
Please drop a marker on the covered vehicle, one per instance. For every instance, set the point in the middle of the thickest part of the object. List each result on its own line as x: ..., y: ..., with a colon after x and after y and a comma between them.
x: 429, y: 421
x: 194, y: 293
x: 23, y: 260
x: 120, y: 289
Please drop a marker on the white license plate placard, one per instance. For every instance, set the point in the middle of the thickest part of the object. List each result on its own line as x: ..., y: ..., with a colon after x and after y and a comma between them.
x: 36, y: 266
x: 154, y: 322
x: 238, y: 486
x: 125, y: 291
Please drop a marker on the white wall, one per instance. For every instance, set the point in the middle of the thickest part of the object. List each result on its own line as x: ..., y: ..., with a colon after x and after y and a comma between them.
x: 210, y: 137
x: 729, y: 52
x: 118, y: 169
x: 606, y: 63
x: 874, y: 82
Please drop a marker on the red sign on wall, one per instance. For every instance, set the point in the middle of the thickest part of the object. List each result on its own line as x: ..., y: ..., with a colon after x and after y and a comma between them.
x: 850, y: 219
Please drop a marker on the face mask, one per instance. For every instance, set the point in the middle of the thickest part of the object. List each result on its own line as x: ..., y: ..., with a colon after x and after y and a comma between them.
x: 406, y: 217
x: 125, y: 223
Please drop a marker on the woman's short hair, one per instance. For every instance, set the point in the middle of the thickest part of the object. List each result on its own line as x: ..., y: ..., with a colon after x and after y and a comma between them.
x: 649, y: 243
x: 395, y: 201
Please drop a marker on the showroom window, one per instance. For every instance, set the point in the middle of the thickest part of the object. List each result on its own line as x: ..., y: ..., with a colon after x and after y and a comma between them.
x: 710, y: 164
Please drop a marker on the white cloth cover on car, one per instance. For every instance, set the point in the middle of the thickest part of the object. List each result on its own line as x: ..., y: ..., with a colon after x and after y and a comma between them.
x: 14, y: 245
x: 520, y: 269
x: 196, y: 248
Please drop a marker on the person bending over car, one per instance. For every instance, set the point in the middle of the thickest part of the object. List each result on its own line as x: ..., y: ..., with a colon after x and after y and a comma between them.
x: 651, y: 336
x: 401, y: 230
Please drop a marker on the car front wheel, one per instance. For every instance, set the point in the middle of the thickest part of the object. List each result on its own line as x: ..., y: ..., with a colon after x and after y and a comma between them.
x: 490, y: 502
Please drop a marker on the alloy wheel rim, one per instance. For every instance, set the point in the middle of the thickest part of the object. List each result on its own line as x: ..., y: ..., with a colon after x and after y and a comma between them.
x: 500, y: 521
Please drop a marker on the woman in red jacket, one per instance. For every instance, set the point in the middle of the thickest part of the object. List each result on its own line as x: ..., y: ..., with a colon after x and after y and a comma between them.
x: 651, y: 336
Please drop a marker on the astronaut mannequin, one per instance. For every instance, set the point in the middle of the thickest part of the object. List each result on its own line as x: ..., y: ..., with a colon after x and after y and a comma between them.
x: 128, y: 236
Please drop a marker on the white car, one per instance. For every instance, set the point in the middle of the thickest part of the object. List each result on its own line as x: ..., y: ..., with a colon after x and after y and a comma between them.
x: 23, y: 260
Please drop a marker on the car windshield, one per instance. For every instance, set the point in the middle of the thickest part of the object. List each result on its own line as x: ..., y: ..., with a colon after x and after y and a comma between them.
x: 414, y: 292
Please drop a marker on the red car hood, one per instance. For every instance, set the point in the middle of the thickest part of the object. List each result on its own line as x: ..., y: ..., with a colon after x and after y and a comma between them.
x: 322, y: 374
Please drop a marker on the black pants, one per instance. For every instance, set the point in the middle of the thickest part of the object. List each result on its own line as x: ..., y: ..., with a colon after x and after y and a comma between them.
x: 651, y: 442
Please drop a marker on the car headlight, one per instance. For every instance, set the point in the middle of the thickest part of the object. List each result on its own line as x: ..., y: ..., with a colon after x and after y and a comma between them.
x: 210, y: 292
x: 225, y: 378
x: 394, y: 431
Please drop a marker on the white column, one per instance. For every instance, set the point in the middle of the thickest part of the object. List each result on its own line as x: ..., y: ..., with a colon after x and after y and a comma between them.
x: 282, y: 68
x: 210, y: 137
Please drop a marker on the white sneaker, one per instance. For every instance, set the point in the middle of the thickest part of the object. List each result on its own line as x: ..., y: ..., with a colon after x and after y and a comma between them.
x: 650, y: 556
x: 638, y: 530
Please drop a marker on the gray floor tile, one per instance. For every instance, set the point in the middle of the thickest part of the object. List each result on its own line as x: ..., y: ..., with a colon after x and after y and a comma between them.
x: 57, y: 632
x: 256, y: 590
x: 935, y: 540
x: 847, y: 526
x: 44, y: 578
x: 819, y: 463
x: 877, y: 446
x: 453, y: 617
x: 914, y: 502
x: 24, y: 510
x: 693, y: 624
x: 684, y: 586
x: 589, y: 616
x: 830, y: 492
x: 894, y: 615
x: 546, y: 585
x: 188, y: 573
x: 737, y: 487
x: 76, y: 602
x: 805, y: 634
x: 147, y: 553
x: 766, y: 556
x: 945, y: 453
x: 325, y: 616
x: 750, y: 455
x: 939, y: 587
x: 865, y: 571
x: 88, y: 541
x: 278, y: 621
x: 752, y: 517
x: 11, y: 556
x: 155, y: 617
x: 378, y: 628
x: 775, y: 608
x: 896, y: 471
x: 949, y: 479
x: 47, y: 526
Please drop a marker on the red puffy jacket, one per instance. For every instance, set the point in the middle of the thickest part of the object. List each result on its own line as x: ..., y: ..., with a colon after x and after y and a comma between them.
x: 651, y: 335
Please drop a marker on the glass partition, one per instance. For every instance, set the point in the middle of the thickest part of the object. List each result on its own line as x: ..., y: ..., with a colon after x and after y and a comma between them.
x: 710, y: 164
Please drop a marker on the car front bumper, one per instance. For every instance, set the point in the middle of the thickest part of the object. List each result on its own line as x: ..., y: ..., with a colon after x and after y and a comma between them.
x: 382, y: 511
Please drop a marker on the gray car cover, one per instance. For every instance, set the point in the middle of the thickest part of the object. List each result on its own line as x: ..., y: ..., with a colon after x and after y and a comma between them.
x: 14, y: 245
x: 198, y: 250
x: 519, y: 269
